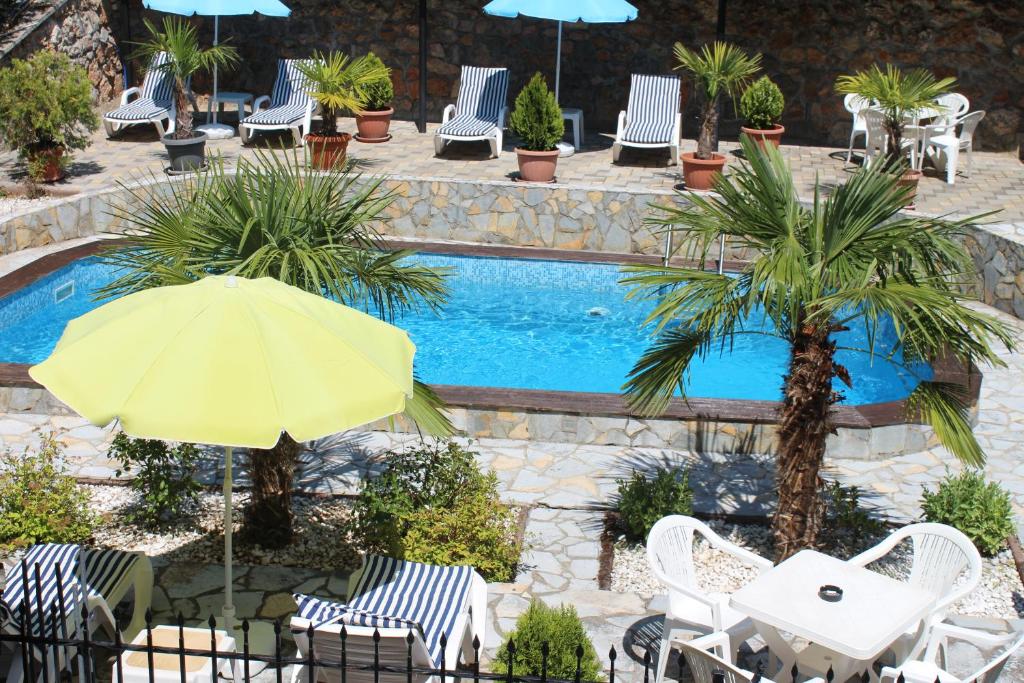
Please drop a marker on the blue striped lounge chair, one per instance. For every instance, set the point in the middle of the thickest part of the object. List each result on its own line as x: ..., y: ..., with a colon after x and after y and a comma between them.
x: 480, y: 111
x: 652, y: 117
x: 152, y: 103
x: 71, y: 577
x: 288, y: 107
x: 393, y: 598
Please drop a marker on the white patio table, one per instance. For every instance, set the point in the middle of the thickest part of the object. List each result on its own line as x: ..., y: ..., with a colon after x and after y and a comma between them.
x: 847, y: 635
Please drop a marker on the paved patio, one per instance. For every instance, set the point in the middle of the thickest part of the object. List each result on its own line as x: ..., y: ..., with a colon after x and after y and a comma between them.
x: 996, y: 183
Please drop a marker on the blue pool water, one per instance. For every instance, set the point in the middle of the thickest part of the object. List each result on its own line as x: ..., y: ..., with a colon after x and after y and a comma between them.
x: 509, y: 323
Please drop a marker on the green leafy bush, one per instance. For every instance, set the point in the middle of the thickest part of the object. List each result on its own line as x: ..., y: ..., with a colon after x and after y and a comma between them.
x: 643, y: 501
x: 45, y: 102
x: 537, y: 118
x: 562, y: 630
x: 761, y: 104
x: 982, y: 511
x: 39, y: 501
x: 378, y: 92
x: 845, y: 518
x: 433, y: 504
x: 164, y: 478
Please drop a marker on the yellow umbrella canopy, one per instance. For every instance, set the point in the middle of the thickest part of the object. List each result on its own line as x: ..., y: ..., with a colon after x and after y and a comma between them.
x: 230, y: 361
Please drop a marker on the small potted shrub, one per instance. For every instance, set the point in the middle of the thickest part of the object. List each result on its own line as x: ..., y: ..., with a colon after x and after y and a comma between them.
x: 537, y: 120
x: 185, y: 148
x: 339, y: 85
x: 570, y: 652
x: 718, y: 69
x: 761, y: 108
x: 45, y: 111
x: 374, y: 121
x: 896, y: 95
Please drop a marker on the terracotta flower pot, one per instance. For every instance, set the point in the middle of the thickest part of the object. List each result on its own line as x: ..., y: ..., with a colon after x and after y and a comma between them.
x: 373, y: 125
x: 50, y: 158
x: 763, y: 136
x: 327, y: 151
x: 910, y: 178
x: 699, y: 174
x: 537, y: 167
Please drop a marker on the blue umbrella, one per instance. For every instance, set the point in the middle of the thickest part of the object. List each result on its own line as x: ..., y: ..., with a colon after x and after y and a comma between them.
x: 217, y: 9
x: 589, y: 11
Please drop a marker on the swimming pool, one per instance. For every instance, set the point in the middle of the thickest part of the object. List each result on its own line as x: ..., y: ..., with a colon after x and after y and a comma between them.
x: 514, y: 323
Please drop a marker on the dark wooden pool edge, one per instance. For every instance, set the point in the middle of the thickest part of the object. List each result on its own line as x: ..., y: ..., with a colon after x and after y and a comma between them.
x: 559, y: 402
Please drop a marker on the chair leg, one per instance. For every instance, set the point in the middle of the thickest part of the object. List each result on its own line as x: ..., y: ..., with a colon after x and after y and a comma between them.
x: 297, y: 138
x: 951, y: 161
x: 673, y: 151
x: 161, y: 131
x: 495, y: 144
x: 111, y: 128
x: 849, y: 150
x: 616, y: 151
x: 245, y: 133
x: 665, y: 652
x: 439, y: 145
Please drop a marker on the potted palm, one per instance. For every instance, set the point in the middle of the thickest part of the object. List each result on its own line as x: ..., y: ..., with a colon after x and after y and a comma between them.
x: 45, y: 111
x: 375, y: 119
x: 761, y: 108
x: 185, y: 147
x: 537, y: 120
x: 896, y: 95
x: 338, y: 83
x: 717, y: 69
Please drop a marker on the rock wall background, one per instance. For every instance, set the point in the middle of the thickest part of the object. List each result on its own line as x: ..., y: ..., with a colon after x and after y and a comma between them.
x: 805, y: 43
x: 84, y: 29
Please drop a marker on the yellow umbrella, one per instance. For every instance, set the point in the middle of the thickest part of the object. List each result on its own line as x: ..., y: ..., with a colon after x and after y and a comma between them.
x: 231, y: 362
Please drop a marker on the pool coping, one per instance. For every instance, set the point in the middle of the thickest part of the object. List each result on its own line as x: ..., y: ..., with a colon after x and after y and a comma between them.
x: 746, y: 411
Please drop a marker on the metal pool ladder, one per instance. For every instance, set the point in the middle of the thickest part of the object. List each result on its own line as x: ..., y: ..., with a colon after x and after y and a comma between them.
x: 721, y: 251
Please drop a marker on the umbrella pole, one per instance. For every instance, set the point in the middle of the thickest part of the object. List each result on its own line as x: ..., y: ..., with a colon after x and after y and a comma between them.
x: 216, y: 39
x: 558, y: 62
x: 229, y: 609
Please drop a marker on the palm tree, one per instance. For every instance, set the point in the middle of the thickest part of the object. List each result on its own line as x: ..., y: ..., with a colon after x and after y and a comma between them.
x: 181, y: 43
x: 339, y: 84
x: 895, y: 94
x: 848, y: 258
x: 276, y: 217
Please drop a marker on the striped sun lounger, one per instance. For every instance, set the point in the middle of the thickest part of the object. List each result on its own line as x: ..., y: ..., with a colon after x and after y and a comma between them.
x: 67, y: 577
x: 288, y: 107
x: 480, y: 111
x: 652, y: 117
x: 152, y: 103
x: 443, y: 608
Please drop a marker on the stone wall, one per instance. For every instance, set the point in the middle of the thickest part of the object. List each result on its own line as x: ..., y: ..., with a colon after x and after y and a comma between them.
x: 80, y: 28
x: 805, y: 45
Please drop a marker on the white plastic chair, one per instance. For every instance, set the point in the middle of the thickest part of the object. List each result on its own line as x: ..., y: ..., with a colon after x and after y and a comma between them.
x: 856, y: 105
x: 928, y: 669
x: 876, y: 139
x: 289, y: 107
x: 670, y: 555
x: 152, y: 103
x: 945, y: 148
x: 708, y: 655
x: 480, y: 111
x: 940, y: 555
x: 652, y: 117
x: 953, y: 105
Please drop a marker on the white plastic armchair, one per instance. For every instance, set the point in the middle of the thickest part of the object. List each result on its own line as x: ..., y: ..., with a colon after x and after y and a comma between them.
x: 930, y: 668
x: 945, y: 145
x: 855, y: 104
x: 941, y: 554
x: 670, y: 555
x: 707, y: 655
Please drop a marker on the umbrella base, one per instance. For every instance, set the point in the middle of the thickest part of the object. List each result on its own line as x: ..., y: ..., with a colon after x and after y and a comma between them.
x: 217, y: 131
x: 565, y: 149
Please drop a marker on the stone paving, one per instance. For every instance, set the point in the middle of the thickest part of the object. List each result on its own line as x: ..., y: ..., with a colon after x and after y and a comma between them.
x: 996, y: 183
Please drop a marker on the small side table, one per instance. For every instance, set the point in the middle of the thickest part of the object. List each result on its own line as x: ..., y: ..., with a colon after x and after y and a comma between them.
x: 239, y: 99
x: 167, y: 667
x: 575, y: 116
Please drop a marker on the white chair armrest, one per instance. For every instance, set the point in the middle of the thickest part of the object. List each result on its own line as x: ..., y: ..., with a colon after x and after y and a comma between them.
x: 687, y: 591
x: 742, y: 554
x: 449, y: 111
x: 502, y: 118
x: 260, y: 101
x: 874, y: 553
x: 943, y: 632
x: 716, y: 642
x: 130, y: 94
x: 621, y: 126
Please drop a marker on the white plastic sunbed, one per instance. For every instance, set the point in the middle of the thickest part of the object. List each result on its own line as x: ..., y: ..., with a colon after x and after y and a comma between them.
x: 480, y: 111
x: 652, y: 117
x: 288, y: 107
x: 152, y: 103
x: 393, y: 598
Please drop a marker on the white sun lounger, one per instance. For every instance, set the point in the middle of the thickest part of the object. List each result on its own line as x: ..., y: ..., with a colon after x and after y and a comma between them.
x: 480, y: 111
x: 652, y: 117
x: 288, y: 107
x: 152, y: 103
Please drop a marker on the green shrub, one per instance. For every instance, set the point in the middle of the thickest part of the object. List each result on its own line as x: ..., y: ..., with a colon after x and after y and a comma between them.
x: 845, y: 519
x: 982, y: 511
x: 39, y: 502
x: 433, y: 504
x: 562, y: 630
x: 379, y: 92
x: 643, y: 501
x: 45, y: 102
x: 761, y: 104
x: 537, y: 118
x: 165, y: 477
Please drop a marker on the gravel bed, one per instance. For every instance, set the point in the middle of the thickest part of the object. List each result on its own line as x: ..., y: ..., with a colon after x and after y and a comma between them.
x: 321, y: 540
x: 10, y: 206
x: 998, y: 595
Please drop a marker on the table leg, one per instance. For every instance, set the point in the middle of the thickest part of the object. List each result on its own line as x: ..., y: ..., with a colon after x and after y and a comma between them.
x: 578, y: 132
x: 780, y: 649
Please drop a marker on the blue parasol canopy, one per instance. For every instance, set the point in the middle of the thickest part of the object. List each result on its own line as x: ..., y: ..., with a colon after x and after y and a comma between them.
x: 588, y: 11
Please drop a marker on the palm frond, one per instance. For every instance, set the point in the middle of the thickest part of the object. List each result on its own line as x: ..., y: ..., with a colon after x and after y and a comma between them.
x: 942, y: 405
x: 661, y: 371
x: 426, y: 410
